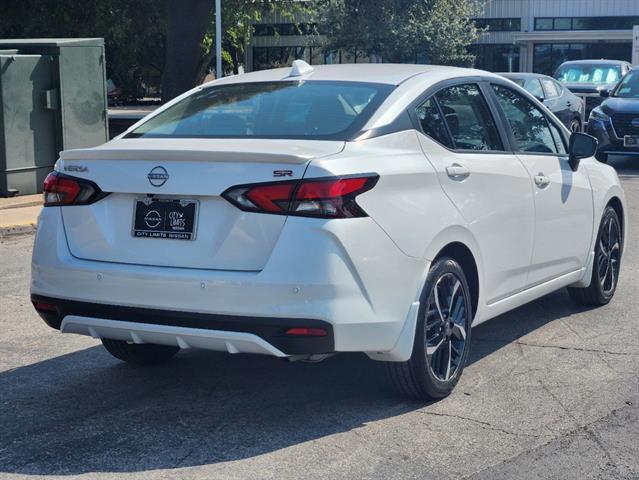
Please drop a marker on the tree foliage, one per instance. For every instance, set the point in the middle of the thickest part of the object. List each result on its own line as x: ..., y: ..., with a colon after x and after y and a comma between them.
x: 428, y: 31
x: 148, y: 40
x: 134, y: 32
x: 184, y: 36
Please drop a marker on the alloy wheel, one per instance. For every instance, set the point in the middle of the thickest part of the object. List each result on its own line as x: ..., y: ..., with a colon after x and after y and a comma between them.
x: 447, y: 321
x: 609, y: 255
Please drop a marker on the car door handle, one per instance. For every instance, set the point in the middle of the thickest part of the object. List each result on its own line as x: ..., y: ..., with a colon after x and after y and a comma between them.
x: 542, y: 180
x: 457, y: 171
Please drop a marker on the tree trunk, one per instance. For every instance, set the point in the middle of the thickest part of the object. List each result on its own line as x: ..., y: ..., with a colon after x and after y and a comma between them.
x: 203, y: 66
x: 187, y: 21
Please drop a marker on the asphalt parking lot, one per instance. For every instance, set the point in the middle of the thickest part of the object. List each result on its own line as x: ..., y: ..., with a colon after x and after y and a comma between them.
x: 551, y: 391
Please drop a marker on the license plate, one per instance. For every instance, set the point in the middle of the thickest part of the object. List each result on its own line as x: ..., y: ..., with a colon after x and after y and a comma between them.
x: 631, y: 141
x: 165, y: 218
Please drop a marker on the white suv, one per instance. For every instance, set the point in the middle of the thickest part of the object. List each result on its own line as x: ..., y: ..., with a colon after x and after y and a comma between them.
x: 306, y: 211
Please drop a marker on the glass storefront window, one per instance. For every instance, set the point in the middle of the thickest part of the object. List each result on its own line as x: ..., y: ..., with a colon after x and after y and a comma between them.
x: 563, y: 23
x: 586, y: 23
x: 331, y: 57
x: 499, y: 24
x: 496, y: 57
x: 274, y: 57
x: 543, y: 24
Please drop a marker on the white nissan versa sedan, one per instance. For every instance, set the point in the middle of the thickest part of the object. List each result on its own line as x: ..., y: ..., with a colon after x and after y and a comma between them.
x: 305, y: 211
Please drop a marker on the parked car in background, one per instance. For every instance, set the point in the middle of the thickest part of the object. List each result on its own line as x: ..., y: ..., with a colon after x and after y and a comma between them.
x: 306, y: 211
x: 566, y: 106
x: 590, y: 77
x: 615, y: 122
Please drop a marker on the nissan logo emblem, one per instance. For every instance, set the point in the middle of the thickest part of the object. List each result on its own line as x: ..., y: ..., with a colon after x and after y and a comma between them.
x: 158, y: 176
x: 635, y: 122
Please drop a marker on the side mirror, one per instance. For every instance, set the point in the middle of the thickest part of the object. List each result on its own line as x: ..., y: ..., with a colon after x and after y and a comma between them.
x: 581, y: 146
x: 604, y: 93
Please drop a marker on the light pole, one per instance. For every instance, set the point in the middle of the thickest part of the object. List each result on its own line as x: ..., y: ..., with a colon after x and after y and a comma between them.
x: 218, y: 38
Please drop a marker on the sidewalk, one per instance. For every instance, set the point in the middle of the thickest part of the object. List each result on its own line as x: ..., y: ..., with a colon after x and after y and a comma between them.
x: 19, y: 214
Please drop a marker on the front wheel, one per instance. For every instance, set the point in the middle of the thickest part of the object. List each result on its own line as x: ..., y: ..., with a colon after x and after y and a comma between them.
x: 139, y: 354
x: 607, y: 263
x: 442, y: 336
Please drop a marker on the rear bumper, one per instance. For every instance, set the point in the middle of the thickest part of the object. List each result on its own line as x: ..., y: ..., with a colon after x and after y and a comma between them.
x: 347, y: 276
x: 185, y: 329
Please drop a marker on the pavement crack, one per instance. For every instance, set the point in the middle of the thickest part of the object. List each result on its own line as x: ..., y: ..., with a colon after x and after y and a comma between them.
x: 586, y: 428
x: 486, y: 425
x: 577, y: 349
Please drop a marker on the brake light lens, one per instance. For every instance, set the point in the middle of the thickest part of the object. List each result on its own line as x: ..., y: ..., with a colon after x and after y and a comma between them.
x: 332, y: 197
x: 61, y: 189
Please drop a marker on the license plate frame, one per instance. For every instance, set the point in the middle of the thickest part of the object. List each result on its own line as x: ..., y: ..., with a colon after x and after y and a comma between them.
x: 631, y: 141
x: 156, y: 219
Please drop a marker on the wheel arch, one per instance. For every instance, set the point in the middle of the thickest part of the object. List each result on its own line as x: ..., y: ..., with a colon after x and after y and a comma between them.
x: 457, y: 243
x: 464, y: 256
x: 616, y: 203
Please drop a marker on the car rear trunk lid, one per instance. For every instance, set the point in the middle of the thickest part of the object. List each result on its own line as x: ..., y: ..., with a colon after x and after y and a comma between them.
x: 151, y: 178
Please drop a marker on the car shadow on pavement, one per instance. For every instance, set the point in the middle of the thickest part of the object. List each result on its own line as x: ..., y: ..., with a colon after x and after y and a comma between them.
x: 510, y: 327
x: 86, y: 412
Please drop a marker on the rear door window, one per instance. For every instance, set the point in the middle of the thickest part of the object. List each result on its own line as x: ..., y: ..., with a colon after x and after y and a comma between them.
x: 432, y: 122
x: 468, y: 118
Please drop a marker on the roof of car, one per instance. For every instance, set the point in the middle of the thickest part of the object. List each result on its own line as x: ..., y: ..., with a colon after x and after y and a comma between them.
x: 386, y: 73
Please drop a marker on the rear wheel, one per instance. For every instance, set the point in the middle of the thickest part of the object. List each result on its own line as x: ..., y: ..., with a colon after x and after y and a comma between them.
x: 139, y: 354
x: 442, y: 336
x: 605, y: 271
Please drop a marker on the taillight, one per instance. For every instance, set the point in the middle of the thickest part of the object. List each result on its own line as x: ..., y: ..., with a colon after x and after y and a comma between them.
x: 332, y: 197
x: 61, y: 189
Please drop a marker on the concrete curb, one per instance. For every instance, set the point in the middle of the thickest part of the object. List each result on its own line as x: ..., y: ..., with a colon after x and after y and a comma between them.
x: 11, y: 230
x: 33, y: 203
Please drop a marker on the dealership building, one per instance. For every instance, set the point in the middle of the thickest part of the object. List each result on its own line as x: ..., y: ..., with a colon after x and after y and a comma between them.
x: 522, y: 35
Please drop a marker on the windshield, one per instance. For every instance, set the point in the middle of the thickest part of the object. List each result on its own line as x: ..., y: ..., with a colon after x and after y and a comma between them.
x: 589, y: 73
x: 312, y: 109
x: 629, y: 86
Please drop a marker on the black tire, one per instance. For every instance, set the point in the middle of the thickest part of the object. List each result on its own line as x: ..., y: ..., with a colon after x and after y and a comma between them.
x: 139, y: 354
x: 602, y: 157
x: 575, y: 125
x: 607, y: 263
x: 417, y: 378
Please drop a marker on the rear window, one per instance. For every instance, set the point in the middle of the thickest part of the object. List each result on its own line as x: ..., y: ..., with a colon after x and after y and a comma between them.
x: 587, y: 73
x: 312, y: 109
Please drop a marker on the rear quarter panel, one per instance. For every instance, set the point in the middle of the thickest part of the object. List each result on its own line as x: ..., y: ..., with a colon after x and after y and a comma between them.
x: 408, y: 202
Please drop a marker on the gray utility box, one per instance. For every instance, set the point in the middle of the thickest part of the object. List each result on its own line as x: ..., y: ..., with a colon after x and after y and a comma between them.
x: 52, y: 98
